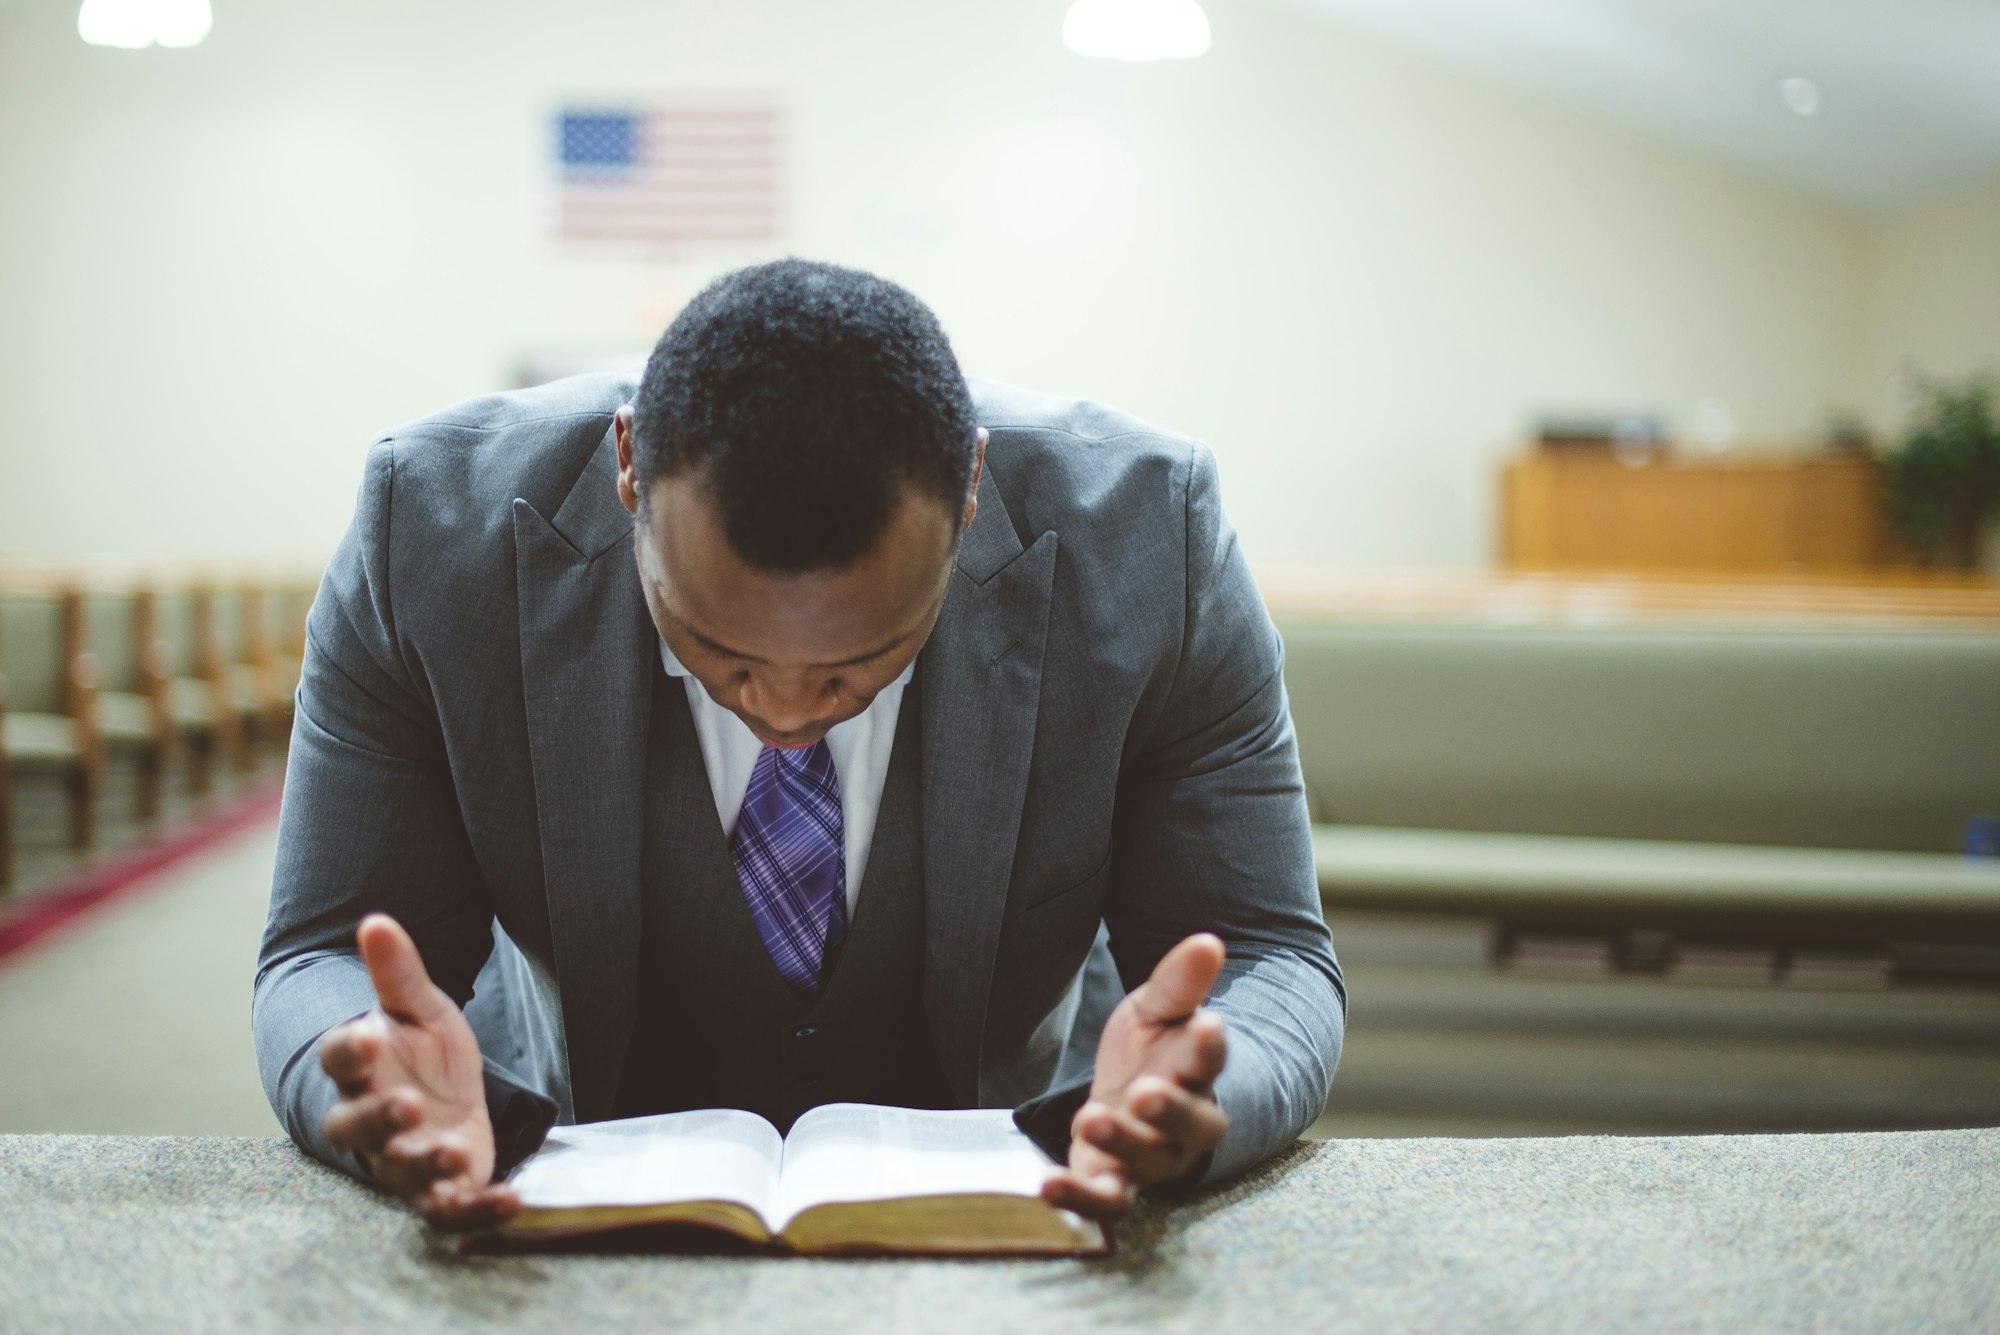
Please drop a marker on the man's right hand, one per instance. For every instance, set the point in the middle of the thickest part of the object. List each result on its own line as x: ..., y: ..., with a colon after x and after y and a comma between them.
x: 412, y: 1090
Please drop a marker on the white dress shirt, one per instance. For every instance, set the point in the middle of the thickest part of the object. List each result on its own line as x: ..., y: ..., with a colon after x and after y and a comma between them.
x: 860, y: 748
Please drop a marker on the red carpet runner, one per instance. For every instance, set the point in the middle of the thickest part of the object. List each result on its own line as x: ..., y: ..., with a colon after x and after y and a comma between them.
x: 131, y: 868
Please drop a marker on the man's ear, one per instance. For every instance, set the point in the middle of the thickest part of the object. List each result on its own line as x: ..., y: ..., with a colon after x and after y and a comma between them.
x: 628, y: 481
x: 972, y: 490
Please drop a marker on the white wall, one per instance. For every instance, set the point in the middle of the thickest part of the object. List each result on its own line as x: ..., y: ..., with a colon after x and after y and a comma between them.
x: 1933, y: 297
x: 1355, y: 273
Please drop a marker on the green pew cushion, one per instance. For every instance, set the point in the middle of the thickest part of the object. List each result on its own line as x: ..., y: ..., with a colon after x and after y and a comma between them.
x: 1455, y: 870
x: 1778, y: 737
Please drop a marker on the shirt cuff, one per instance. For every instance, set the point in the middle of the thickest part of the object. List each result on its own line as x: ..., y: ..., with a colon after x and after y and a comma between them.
x: 521, y: 1117
x: 1045, y: 1118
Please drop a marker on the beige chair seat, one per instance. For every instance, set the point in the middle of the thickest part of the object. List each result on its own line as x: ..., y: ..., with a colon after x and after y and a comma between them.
x: 1461, y: 871
x: 40, y: 741
x: 124, y: 718
x: 189, y: 704
x: 245, y: 690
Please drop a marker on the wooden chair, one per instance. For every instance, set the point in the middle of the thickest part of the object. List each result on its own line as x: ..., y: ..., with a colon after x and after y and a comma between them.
x: 122, y: 629
x: 48, y: 709
x: 244, y: 663
x: 264, y: 648
x: 196, y: 701
x: 284, y: 609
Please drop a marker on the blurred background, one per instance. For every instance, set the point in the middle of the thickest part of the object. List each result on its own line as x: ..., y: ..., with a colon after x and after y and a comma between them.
x: 1602, y: 390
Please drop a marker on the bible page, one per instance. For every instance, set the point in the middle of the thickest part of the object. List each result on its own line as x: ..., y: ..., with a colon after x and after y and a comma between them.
x: 864, y: 1152
x: 715, y: 1154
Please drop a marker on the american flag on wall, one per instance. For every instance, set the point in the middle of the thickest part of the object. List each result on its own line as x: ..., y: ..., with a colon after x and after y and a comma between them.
x: 669, y: 174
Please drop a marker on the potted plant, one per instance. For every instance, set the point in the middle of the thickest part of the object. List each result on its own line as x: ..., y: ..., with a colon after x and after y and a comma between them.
x: 1943, y: 479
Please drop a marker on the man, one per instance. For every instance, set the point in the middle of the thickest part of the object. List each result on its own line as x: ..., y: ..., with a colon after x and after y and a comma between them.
x: 782, y: 735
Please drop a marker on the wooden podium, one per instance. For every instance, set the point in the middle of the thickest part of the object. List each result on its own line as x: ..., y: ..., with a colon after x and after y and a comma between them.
x: 1585, y: 510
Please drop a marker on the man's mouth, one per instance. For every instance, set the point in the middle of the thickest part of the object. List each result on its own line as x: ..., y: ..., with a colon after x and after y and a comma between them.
x: 797, y: 741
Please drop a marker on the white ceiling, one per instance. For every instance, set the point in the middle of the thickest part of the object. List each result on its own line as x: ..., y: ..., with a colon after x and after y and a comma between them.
x: 1910, y: 89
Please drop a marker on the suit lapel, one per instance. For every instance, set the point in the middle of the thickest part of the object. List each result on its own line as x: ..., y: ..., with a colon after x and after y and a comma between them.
x: 982, y: 671
x: 586, y: 641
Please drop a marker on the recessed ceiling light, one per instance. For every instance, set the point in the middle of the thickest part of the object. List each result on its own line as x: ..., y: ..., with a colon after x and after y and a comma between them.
x: 1136, y: 29
x: 1801, y: 95
x: 135, y: 24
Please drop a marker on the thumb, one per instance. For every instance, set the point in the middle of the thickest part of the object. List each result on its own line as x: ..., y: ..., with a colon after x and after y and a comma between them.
x: 397, y: 971
x: 1181, y: 980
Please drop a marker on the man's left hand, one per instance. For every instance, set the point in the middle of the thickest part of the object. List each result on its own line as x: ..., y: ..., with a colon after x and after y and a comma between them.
x: 1152, y: 1111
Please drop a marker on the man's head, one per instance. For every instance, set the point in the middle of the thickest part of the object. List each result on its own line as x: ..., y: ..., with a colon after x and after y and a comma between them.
x: 800, y: 461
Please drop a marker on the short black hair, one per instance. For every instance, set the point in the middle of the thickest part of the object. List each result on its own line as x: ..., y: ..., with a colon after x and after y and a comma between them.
x: 809, y: 395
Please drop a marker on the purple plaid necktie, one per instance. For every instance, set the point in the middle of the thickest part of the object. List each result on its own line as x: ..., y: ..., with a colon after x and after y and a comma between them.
x: 791, y: 858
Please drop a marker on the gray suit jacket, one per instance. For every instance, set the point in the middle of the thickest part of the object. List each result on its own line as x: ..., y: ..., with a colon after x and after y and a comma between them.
x: 1105, y: 740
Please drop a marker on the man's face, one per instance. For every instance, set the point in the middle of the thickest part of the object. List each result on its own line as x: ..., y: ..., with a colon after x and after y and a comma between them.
x: 789, y: 654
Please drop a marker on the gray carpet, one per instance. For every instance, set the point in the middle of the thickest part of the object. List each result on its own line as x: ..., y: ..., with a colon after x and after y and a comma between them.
x: 136, y: 1017
x: 1875, y: 1233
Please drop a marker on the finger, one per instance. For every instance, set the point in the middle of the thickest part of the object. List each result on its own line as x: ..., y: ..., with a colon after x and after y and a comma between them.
x: 347, y: 1053
x: 1194, y: 1054
x: 1211, y: 1045
x: 369, y: 1122
x: 1126, y: 1138
x: 1192, y: 1122
x: 419, y: 1146
x: 409, y: 1168
x: 448, y: 1160
x: 1099, y: 1196
x: 404, y: 989
x: 1181, y: 980
x: 421, y: 1159
x: 459, y: 1209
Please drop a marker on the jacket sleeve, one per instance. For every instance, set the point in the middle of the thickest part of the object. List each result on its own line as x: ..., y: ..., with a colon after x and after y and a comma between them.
x: 1211, y: 833
x: 370, y: 822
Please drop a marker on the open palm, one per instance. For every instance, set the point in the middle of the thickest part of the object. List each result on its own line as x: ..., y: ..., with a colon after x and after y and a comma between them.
x: 1151, y: 1114
x: 413, y: 1094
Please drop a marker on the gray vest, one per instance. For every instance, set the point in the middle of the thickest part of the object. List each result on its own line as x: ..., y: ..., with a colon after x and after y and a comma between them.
x: 717, y: 1026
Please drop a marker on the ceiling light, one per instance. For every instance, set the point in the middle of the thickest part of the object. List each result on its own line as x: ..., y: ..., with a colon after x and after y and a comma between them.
x: 1136, y: 29
x: 181, y: 22
x: 127, y: 23
x: 1801, y: 95
x: 134, y: 24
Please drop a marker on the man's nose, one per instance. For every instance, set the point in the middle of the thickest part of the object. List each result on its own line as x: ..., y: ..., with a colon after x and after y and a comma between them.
x: 787, y: 705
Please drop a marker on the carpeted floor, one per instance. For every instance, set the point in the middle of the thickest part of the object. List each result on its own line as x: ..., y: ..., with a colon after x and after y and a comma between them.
x: 136, y: 1018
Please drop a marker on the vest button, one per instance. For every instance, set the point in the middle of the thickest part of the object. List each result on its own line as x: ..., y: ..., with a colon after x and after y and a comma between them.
x: 807, y: 1032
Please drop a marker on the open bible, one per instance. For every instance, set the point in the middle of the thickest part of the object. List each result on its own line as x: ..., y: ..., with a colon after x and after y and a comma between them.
x: 851, y: 1177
